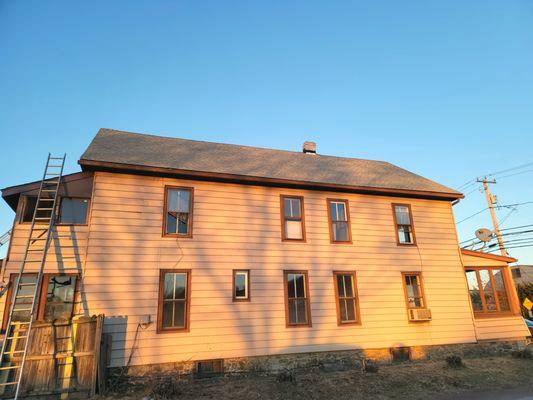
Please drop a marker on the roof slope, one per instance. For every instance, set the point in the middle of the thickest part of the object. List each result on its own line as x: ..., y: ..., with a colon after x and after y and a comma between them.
x: 126, y: 150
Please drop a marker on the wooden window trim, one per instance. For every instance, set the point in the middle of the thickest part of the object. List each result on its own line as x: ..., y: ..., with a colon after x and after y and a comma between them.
x: 58, y: 219
x: 282, y: 216
x: 422, y: 290
x: 398, y: 243
x: 160, y: 328
x: 356, y: 298
x: 498, y: 313
x: 307, y: 297
x: 41, y: 305
x: 248, y: 291
x: 348, y: 221
x: 191, y: 208
x: 23, y: 209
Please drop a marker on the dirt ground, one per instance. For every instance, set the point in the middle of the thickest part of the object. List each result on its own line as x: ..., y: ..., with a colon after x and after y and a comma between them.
x: 409, y: 380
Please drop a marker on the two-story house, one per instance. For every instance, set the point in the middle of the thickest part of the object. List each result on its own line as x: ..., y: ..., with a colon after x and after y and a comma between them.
x: 196, y: 251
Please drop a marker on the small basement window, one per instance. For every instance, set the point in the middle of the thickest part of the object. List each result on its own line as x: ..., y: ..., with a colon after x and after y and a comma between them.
x: 73, y: 211
x: 208, y: 368
x: 400, y: 354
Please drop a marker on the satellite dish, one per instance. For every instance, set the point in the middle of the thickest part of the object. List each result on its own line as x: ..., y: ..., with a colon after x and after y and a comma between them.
x: 484, y: 234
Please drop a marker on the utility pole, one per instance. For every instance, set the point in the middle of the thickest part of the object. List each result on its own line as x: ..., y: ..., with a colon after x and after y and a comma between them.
x: 491, y: 200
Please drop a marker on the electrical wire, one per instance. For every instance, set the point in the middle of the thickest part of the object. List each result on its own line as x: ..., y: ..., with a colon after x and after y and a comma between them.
x: 511, y: 169
x: 473, y: 215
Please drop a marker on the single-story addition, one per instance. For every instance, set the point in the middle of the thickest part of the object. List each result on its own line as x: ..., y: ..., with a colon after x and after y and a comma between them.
x: 200, y: 251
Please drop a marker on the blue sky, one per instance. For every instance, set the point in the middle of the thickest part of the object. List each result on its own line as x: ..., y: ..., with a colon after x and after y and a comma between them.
x: 443, y: 89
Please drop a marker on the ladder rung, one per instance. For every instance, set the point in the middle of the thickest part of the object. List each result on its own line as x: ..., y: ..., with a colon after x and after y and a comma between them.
x: 8, y: 383
x: 45, y: 208
x: 48, y: 190
x: 27, y: 284
x: 21, y: 309
x: 10, y: 367
x: 46, y: 199
x: 24, y: 297
x: 16, y: 337
x: 19, y: 323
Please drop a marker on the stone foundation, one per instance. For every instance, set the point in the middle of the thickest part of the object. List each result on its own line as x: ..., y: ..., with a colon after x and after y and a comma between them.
x: 333, y: 360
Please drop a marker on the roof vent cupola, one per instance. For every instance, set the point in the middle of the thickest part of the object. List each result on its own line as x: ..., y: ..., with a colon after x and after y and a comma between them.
x: 309, y: 148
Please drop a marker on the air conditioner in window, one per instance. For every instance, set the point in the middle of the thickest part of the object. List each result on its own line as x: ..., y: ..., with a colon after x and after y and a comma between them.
x: 420, y: 314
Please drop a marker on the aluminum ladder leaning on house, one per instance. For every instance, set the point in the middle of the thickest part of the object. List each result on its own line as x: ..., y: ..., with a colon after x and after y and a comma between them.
x: 16, y: 344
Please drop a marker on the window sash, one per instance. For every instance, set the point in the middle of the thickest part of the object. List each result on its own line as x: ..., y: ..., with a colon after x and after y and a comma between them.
x: 338, y: 211
x: 403, y: 220
x: 489, y: 286
x: 174, y: 300
x: 71, y: 216
x: 413, y: 286
x: 414, y: 291
x: 178, y: 211
x: 346, y: 299
x: 297, y: 300
x: 292, y: 216
x: 339, y: 220
x: 246, y: 275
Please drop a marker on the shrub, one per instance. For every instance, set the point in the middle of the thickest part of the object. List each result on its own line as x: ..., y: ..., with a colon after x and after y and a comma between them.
x: 369, y: 365
x: 454, y: 361
x: 167, y: 389
x: 286, y: 376
x: 523, y: 353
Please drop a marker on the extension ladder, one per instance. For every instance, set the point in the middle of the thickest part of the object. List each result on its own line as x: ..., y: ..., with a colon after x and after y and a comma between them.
x: 25, y: 292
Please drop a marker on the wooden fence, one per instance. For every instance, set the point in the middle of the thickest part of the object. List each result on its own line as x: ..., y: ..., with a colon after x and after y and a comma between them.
x: 62, y: 361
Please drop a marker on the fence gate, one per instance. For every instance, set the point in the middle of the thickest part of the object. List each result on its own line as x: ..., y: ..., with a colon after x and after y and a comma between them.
x: 62, y: 359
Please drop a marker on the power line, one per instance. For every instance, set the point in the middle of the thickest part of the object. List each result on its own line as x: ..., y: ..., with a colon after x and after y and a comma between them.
x: 511, y: 169
x: 472, y: 216
x: 503, y: 234
x: 517, y: 173
x: 517, y: 227
x: 512, y: 247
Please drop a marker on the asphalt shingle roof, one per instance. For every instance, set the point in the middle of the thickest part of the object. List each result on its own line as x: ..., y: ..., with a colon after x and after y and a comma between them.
x: 149, y: 151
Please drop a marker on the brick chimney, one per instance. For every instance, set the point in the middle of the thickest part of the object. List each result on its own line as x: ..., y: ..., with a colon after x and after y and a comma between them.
x: 309, y: 148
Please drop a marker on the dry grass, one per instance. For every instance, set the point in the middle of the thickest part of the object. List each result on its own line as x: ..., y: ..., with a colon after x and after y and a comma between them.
x: 416, y: 380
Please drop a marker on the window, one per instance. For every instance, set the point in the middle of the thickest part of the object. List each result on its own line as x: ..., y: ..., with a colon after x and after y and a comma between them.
x: 73, y: 211
x: 403, y: 220
x: 59, y: 296
x: 339, y: 221
x: 292, y: 224
x: 298, y: 312
x: 346, y: 296
x: 178, y: 211
x: 414, y: 290
x: 174, y: 300
x: 28, y: 208
x: 488, y: 290
x: 56, y: 298
x: 241, y: 285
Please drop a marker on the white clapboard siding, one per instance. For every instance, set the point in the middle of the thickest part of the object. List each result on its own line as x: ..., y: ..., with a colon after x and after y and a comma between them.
x: 238, y: 226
